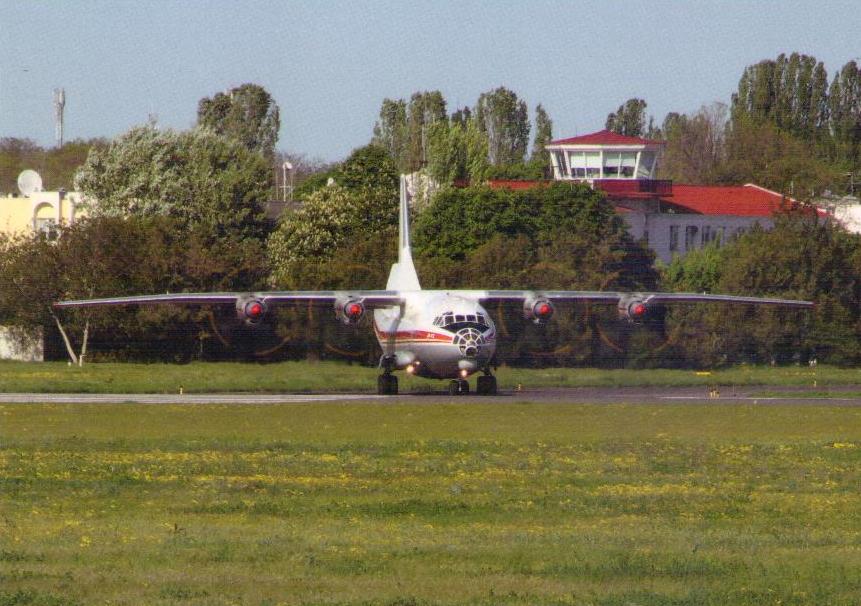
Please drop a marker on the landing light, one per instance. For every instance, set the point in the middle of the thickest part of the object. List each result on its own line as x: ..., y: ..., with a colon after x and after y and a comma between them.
x: 464, y: 373
x: 410, y: 369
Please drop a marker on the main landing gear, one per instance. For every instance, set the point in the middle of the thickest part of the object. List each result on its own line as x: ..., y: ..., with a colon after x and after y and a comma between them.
x: 458, y: 387
x: 387, y: 383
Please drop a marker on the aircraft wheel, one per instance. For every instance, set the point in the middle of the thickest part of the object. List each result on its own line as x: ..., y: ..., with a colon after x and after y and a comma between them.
x: 387, y: 385
x: 454, y: 387
x: 486, y: 385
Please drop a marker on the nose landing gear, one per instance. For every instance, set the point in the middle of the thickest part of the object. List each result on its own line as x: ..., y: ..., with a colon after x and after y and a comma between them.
x: 486, y: 386
x: 458, y: 387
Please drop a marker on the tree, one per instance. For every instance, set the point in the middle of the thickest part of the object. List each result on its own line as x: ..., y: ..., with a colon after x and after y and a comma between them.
x: 425, y: 109
x: 448, y: 152
x: 205, y: 181
x: 330, y: 218
x: 758, y: 152
x: 695, y: 145
x: 370, y: 166
x: 504, y: 120
x: 543, y: 136
x: 247, y: 113
x: 789, y: 92
x: 390, y: 131
x: 629, y: 119
x: 844, y: 102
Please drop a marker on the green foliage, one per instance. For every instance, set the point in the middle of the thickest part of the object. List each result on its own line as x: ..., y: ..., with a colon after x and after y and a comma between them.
x: 789, y: 92
x: 761, y: 153
x: 800, y: 258
x: 695, y: 146
x: 504, y: 120
x: 390, y: 131
x: 699, y: 270
x: 844, y: 106
x: 209, y: 183
x: 56, y: 165
x: 425, y: 109
x: 369, y: 166
x: 330, y: 218
x: 459, y: 220
x: 247, y: 113
x: 629, y: 119
x: 539, y: 161
x: 448, y: 153
x: 114, y: 256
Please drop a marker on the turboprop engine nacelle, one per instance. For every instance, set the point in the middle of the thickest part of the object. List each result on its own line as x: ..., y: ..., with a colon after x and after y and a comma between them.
x: 250, y: 310
x: 538, y: 309
x: 634, y: 309
x: 349, y: 310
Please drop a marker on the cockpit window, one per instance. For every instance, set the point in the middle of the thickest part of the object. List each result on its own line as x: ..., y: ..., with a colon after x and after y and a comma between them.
x: 454, y: 322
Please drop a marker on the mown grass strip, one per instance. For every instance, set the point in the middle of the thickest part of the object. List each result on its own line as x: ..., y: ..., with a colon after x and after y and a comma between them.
x: 318, y: 377
x: 430, y: 503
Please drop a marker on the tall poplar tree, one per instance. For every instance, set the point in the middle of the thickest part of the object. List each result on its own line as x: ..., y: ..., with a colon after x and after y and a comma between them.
x: 629, y: 119
x: 504, y: 120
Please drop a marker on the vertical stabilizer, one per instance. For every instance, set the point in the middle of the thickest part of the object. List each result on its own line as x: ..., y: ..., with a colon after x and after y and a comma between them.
x: 403, y: 273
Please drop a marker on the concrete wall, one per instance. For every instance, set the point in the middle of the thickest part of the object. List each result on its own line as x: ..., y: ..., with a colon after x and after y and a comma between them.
x: 693, y: 231
x: 18, y: 214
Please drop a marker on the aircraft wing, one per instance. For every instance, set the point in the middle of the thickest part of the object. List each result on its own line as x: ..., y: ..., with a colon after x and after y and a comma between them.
x: 658, y: 298
x: 370, y: 298
x: 635, y: 307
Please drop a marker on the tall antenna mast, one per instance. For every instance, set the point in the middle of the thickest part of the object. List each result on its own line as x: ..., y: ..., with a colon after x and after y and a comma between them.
x: 59, y: 105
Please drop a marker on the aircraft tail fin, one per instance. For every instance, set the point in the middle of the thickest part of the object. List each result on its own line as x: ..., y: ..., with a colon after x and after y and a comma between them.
x: 403, y: 274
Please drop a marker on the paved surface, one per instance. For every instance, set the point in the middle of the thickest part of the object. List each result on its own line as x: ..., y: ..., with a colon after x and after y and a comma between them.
x: 836, y: 396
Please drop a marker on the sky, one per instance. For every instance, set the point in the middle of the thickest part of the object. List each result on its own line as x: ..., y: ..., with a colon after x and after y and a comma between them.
x: 329, y: 65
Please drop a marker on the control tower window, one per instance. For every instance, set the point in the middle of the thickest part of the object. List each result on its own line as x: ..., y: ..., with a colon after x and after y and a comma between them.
x: 627, y: 164
x: 611, y: 164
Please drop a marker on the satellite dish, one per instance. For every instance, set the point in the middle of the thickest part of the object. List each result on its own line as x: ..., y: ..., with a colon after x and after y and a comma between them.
x: 29, y: 181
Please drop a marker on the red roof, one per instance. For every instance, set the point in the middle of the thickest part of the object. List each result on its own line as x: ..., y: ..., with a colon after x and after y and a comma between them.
x: 516, y: 183
x: 740, y: 200
x: 605, y: 137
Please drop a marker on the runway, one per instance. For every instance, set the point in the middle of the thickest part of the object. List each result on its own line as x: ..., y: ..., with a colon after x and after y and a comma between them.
x: 757, y: 395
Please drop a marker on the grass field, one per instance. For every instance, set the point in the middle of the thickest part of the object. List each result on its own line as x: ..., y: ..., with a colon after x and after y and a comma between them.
x: 341, y: 377
x: 413, y: 504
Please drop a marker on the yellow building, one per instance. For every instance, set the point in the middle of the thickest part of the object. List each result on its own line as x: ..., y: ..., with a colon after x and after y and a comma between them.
x: 40, y: 211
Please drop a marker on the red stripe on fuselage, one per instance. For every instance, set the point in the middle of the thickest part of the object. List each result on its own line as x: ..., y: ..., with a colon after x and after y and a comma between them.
x: 415, y: 335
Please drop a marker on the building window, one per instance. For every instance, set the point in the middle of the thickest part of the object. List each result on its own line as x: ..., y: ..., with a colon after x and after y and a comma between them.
x: 611, y: 165
x: 577, y: 161
x: 707, y: 234
x: 593, y: 165
x: 674, y: 237
x: 691, y: 237
x: 647, y: 165
x: 628, y: 162
x: 47, y: 228
x: 560, y: 163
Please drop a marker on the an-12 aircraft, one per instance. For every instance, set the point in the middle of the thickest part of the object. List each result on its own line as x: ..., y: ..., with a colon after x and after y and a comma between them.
x: 438, y: 334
